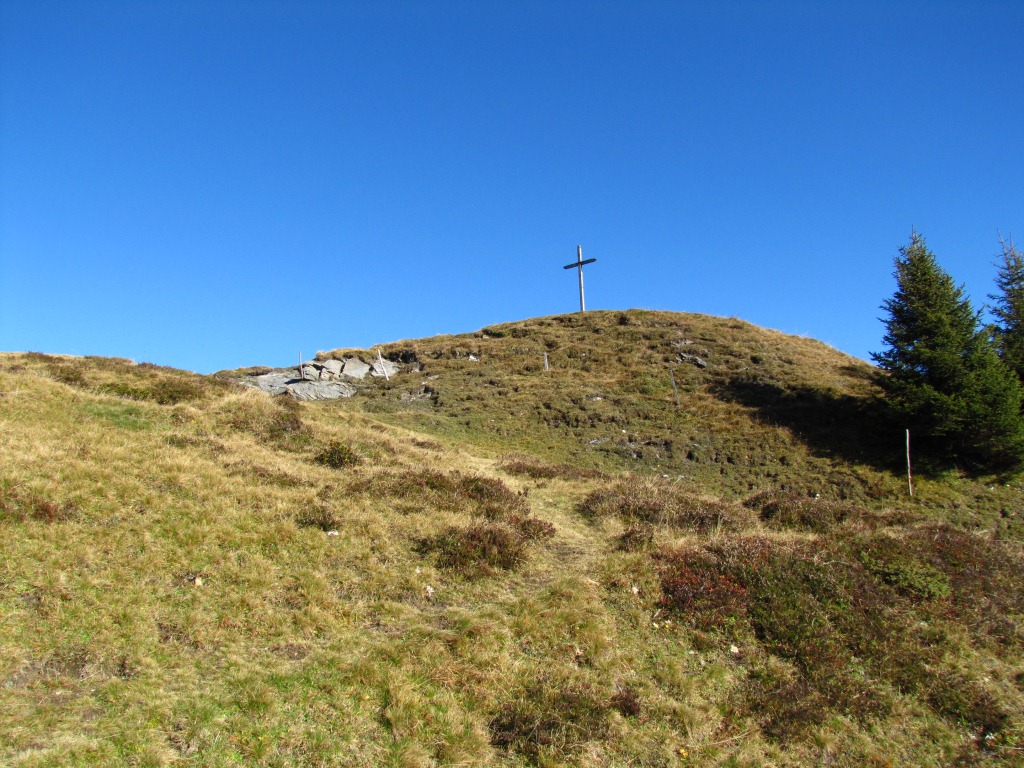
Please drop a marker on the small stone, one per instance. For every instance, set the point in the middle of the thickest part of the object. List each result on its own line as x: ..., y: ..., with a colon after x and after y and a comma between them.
x: 733, y: 649
x: 332, y: 533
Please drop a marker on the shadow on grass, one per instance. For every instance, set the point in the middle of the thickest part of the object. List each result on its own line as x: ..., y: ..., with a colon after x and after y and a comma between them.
x: 857, y: 429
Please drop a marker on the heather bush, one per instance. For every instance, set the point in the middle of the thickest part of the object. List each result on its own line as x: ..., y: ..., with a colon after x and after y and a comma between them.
x: 694, y: 589
x: 552, y: 716
x: 636, y: 537
x: 889, y: 560
x: 780, y: 509
x: 482, y: 496
x: 337, y: 455
x: 639, y: 500
x: 320, y: 516
x: 479, y: 550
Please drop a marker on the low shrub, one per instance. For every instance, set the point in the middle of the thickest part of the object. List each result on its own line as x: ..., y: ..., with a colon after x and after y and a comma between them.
x: 648, y: 501
x: 481, y: 496
x: 67, y: 374
x: 961, y: 698
x: 889, y: 560
x: 479, y: 550
x: 636, y: 537
x: 275, y: 420
x: 165, y: 391
x: 787, y: 705
x: 532, y: 528
x: 320, y: 516
x: 780, y: 509
x: 486, y: 547
x: 551, y: 717
x: 694, y: 588
x: 337, y: 455
x: 626, y: 700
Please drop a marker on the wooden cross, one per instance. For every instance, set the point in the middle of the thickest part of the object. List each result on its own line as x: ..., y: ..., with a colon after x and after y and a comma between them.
x: 578, y: 264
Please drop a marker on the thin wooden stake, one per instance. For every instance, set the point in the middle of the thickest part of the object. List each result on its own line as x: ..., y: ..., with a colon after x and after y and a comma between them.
x: 675, y: 389
x: 302, y: 373
x: 383, y: 369
x: 910, y: 477
x: 546, y: 361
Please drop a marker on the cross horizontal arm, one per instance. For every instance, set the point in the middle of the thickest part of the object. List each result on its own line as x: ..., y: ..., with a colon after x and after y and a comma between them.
x: 579, y: 263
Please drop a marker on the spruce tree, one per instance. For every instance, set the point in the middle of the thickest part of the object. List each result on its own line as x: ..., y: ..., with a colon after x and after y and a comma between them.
x: 945, y: 379
x: 1009, y: 308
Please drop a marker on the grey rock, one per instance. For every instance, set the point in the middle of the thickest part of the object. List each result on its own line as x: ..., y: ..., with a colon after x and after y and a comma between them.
x: 275, y: 382
x: 388, y: 366
x: 331, y: 369
x: 320, y: 390
x: 685, y: 358
x: 310, y: 372
x: 355, y: 368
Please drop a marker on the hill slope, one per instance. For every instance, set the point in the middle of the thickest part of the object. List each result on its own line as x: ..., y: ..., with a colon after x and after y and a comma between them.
x: 483, y: 562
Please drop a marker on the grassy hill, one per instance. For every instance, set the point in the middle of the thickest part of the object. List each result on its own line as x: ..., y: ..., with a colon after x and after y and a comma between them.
x: 486, y: 562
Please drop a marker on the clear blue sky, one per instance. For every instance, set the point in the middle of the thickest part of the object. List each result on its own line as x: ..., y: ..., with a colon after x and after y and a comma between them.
x: 214, y: 184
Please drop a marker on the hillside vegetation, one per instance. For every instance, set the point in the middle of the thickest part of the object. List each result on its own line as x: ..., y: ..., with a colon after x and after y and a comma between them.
x: 483, y: 562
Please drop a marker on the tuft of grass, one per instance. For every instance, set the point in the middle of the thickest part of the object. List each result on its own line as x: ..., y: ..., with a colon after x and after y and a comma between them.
x: 527, y: 466
x: 21, y: 506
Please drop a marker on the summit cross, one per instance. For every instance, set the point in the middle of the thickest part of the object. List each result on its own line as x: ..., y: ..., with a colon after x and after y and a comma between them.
x: 578, y: 264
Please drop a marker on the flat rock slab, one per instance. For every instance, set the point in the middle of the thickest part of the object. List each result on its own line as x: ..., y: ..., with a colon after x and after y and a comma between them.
x: 388, y: 368
x: 274, y: 383
x: 355, y: 368
x: 319, y: 390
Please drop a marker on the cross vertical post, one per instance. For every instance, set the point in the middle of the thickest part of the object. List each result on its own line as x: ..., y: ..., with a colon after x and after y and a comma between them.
x: 578, y: 265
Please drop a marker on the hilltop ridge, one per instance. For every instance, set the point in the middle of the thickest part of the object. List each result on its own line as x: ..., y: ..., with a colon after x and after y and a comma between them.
x: 685, y: 541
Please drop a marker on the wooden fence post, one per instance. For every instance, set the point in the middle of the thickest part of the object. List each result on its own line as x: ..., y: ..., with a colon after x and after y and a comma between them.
x: 910, y: 477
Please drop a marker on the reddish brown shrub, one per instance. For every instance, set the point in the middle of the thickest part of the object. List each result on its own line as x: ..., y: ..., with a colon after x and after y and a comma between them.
x: 694, y: 588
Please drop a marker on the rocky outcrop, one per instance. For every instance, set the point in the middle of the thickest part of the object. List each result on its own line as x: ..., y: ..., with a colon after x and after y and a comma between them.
x: 322, y: 379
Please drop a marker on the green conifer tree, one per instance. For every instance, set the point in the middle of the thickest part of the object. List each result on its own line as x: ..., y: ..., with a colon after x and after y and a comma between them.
x: 1009, y: 308
x: 945, y: 378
